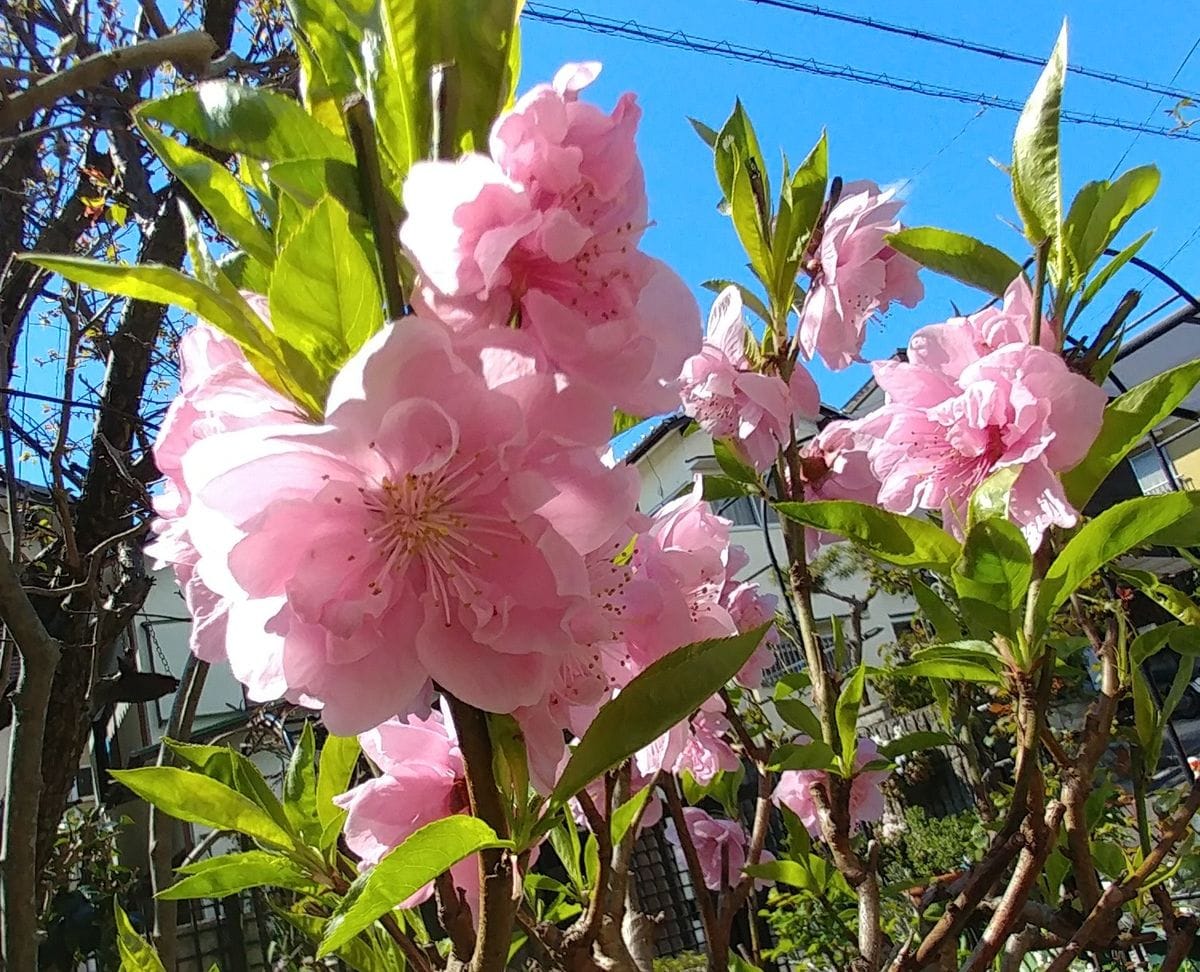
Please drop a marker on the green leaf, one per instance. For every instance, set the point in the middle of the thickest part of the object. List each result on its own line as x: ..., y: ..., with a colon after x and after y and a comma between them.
x: 957, y: 255
x: 977, y: 652
x: 250, y: 121
x: 244, y: 273
x: 1109, y: 859
x: 360, y: 954
x: 722, y: 487
x: 339, y: 756
x: 1164, y: 595
x: 1127, y: 421
x: 1076, y: 224
x: 901, y: 540
x: 948, y: 668
x: 848, y: 703
x: 750, y: 299
x: 325, y: 297
x: 510, y: 765
x: 736, y: 144
x: 1037, y: 181
x: 216, y: 877
x: 401, y: 42
x: 940, y: 615
x: 418, y: 860
x: 1183, y: 676
x: 1106, y: 537
x: 165, y: 285
x: 798, y: 714
x: 996, y: 565
x: 1105, y: 275
x: 1115, y: 205
x: 708, y: 135
x: 624, y: 816
x: 308, y: 181
x: 135, y: 952
x: 913, y: 742
x: 747, y: 222
x: 236, y: 771
x: 197, y: 799
x: 216, y: 189
x: 300, y: 788
x: 813, y: 755
x: 564, y: 838
x: 1149, y: 643
x: 784, y: 872
x: 808, y: 191
x: 1145, y: 714
x: 591, y: 861
x: 666, y: 693
x: 733, y: 465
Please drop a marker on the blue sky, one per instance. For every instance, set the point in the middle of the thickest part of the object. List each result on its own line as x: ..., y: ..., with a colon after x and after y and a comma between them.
x: 890, y: 136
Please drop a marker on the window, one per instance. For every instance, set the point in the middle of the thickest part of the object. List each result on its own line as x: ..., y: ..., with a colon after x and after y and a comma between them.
x: 1151, y: 474
x: 742, y: 510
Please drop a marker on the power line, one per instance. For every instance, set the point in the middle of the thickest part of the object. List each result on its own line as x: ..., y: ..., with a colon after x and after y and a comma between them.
x: 678, y: 39
x: 1129, y: 148
x: 975, y: 47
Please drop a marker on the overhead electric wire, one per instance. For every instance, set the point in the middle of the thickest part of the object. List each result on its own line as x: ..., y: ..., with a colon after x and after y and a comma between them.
x: 678, y: 39
x: 1129, y: 148
x: 975, y: 47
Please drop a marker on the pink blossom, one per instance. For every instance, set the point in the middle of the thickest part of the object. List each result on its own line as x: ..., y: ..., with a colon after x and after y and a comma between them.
x: 750, y: 606
x: 219, y: 392
x: 720, y: 846
x: 855, y: 275
x: 836, y: 466
x: 732, y: 401
x: 421, y: 780
x: 433, y: 530
x: 949, y: 347
x: 544, y: 233
x: 939, y: 436
x: 795, y: 790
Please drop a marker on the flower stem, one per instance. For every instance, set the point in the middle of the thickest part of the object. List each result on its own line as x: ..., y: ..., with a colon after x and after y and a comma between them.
x: 1039, y: 293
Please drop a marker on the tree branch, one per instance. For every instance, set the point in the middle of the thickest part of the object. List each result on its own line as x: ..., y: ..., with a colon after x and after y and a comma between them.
x: 18, y: 866
x: 189, y: 51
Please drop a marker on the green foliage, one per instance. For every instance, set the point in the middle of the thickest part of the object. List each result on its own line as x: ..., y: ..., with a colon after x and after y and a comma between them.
x: 136, y: 953
x: 216, y: 877
x: 957, y: 255
x: 902, y: 540
x: 927, y: 845
x: 1099, y: 212
x: 339, y: 755
x: 1127, y: 420
x: 403, y: 872
x: 1036, y: 179
x: 683, y: 962
x: 664, y: 694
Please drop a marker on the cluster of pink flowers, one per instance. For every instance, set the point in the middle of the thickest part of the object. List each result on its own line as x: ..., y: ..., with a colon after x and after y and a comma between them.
x: 450, y: 523
x: 796, y: 790
x: 730, y: 400
x: 973, y: 396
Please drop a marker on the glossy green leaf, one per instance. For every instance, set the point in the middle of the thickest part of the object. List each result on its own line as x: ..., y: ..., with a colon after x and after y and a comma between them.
x: 996, y: 565
x: 216, y: 189
x: 591, y: 861
x: 1149, y: 643
x: 236, y: 771
x: 418, y: 860
x: 666, y: 693
x: 816, y: 754
x: 1106, y: 537
x: 798, y: 715
x: 564, y: 838
x: 1114, y: 206
x: 1127, y: 421
x: 197, y: 799
x: 722, y: 487
x: 736, y: 144
x: 1037, y: 181
x: 362, y: 954
x: 733, y: 465
x: 957, y: 255
x: 245, y: 273
x: 335, y: 769
x: 300, y: 788
x: 901, y: 540
x: 135, y: 952
x: 914, y: 742
x: 1179, y: 685
x: 624, y: 816
x: 940, y: 614
x: 1109, y: 858
x: 510, y: 765
x: 848, y: 703
x: 748, y: 224
x: 1101, y: 279
x: 216, y: 877
x: 1145, y: 714
x: 975, y: 651
x: 785, y: 872
x: 307, y: 181
x: 951, y: 669
x: 707, y: 135
x: 252, y: 121
x: 325, y: 296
